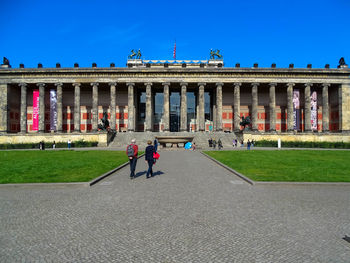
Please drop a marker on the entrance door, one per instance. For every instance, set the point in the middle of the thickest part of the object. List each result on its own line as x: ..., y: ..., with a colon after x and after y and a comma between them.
x: 174, y: 111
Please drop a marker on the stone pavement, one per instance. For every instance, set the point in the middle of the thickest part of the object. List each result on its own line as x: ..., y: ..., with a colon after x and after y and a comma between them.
x: 192, y: 211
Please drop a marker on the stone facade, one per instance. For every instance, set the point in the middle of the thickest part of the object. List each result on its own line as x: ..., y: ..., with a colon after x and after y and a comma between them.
x: 207, y: 98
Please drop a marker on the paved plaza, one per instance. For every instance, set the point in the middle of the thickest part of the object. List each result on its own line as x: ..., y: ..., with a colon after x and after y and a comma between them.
x: 193, y: 210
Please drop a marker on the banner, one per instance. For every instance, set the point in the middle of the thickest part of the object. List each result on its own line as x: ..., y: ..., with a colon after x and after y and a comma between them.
x: 314, y: 110
x: 35, y: 110
x: 296, y: 109
x: 53, y: 110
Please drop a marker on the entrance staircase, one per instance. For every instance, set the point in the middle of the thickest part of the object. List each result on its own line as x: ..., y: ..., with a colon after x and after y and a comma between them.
x: 122, y: 139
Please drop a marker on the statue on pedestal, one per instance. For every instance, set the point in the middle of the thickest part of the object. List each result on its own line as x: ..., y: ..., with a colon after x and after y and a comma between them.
x: 5, y: 61
x: 342, y: 63
x: 105, y: 123
x: 245, y: 122
x: 215, y: 53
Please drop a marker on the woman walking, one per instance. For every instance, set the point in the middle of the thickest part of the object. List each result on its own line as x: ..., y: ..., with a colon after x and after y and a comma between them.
x: 149, y: 158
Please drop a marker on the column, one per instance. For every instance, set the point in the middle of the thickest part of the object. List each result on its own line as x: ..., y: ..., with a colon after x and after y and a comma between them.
x: 131, y: 121
x: 325, y: 107
x: 3, y: 108
x: 290, y: 118
x: 307, y: 116
x: 94, y: 106
x: 59, y: 106
x: 219, y: 106
x: 41, y: 107
x: 183, y: 109
x: 166, y: 105
x: 76, y: 107
x: 201, y: 118
x: 272, y: 107
x: 113, y: 105
x: 344, y: 109
x: 255, y: 106
x: 237, y: 106
x: 149, y: 115
x: 23, y: 120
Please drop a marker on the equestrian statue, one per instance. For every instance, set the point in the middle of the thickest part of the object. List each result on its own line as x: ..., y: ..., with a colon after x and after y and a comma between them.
x: 135, y: 55
x: 215, y: 53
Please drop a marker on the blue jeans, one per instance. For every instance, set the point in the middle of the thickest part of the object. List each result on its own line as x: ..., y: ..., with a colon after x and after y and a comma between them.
x: 133, y: 162
x: 150, y: 165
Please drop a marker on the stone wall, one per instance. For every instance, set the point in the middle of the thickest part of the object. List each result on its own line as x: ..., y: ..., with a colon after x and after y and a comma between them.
x: 101, y: 138
x: 304, y: 137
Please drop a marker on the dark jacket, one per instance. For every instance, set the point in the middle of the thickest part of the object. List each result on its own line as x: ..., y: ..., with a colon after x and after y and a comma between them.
x: 149, y: 153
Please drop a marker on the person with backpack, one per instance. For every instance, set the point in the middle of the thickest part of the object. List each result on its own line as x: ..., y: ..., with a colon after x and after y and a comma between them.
x: 149, y: 158
x: 132, y: 152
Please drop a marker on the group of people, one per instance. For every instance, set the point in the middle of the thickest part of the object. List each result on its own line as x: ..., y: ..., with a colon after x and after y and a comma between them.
x: 151, y: 156
x: 213, y: 143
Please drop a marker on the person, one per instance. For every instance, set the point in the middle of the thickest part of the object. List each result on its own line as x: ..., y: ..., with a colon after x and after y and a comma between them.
x: 155, y: 143
x: 214, y: 144
x: 150, y: 149
x: 69, y: 143
x: 252, y: 143
x: 54, y: 145
x: 210, y: 141
x: 242, y: 143
x: 236, y: 142
x: 194, y: 146
x: 40, y: 145
x: 132, y: 152
x: 219, y: 144
x: 248, y: 145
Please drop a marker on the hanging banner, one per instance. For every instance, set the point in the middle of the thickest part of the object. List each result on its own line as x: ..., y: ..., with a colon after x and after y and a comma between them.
x: 314, y: 110
x: 53, y: 110
x: 296, y: 109
x: 35, y: 110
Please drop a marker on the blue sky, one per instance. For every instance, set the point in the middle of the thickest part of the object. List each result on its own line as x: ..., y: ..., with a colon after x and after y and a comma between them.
x: 248, y: 32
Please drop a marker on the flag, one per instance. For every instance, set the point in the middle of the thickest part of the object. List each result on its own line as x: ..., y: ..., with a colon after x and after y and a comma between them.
x: 174, y: 54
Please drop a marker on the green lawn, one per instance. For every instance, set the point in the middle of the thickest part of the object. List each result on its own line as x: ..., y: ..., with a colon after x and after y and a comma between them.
x: 292, y: 165
x: 57, y: 166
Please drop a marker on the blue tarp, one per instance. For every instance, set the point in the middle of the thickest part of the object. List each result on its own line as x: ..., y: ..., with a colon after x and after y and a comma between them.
x: 188, y: 145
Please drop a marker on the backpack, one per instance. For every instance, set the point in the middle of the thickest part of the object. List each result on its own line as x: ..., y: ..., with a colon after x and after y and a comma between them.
x: 130, y: 151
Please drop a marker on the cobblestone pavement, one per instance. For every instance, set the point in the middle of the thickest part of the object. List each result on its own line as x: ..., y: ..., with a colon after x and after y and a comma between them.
x: 191, y: 211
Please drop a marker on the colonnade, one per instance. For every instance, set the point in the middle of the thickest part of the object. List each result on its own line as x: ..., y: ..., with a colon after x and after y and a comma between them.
x: 218, y: 123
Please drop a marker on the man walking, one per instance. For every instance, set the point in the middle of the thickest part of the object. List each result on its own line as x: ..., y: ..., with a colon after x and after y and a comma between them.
x: 131, y: 152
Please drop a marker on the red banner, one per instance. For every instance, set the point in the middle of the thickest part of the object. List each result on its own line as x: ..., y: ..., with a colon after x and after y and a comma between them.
x: 35, y: 110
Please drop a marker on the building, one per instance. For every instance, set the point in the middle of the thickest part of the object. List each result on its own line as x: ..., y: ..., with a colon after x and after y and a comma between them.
x: 175, y: 96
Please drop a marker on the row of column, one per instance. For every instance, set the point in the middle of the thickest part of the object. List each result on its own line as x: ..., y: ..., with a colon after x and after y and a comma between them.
x: 41, y: 86
x: 183, y: 110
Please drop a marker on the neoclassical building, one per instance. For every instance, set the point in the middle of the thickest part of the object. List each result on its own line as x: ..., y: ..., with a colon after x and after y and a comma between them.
x: 175, y: 96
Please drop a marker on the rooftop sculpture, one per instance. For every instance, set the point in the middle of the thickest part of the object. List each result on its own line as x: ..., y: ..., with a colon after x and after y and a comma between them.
x: 135, y: 55
x: 215, y: 53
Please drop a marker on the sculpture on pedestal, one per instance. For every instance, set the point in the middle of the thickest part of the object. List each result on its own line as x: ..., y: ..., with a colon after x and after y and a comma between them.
x: 245, y: 122
x: 342, y: 62
x: 105, y: 123
x: 5, y: 61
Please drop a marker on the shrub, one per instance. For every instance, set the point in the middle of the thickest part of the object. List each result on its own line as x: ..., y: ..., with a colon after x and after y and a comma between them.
x: 300, y: 144
x: 48, y: 145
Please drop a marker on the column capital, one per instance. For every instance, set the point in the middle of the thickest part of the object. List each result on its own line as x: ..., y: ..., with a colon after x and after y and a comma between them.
x: 273, y: 84
x: 148, y: 84
x: 183, y: 84
x: 22, y: 84
x: 237, y: 84
x: 94, y: 84
x: 219, y: 84
x: 202, y: 84
x: 308, y: 84
x: 112, y: 83
x: 40, y: 84
x: 255, y: 84
x: 166, y: 83
x: 290, y: 84
x: 76, y: 84
x: 326, y: 85
x: 58, y: 84
x: 130, y: 84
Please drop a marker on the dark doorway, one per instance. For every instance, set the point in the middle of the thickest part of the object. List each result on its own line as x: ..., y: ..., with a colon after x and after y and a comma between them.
x: 174, y: 111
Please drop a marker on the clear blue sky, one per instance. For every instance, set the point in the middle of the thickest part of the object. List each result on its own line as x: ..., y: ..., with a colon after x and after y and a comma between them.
x: 265, y: 32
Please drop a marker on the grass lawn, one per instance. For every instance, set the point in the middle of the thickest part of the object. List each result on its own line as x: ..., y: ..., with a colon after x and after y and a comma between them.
x: 292, y: 165
x: 57, y: 166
